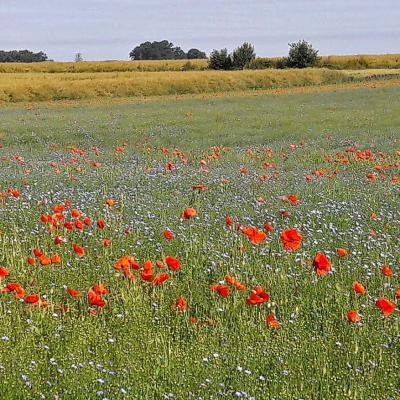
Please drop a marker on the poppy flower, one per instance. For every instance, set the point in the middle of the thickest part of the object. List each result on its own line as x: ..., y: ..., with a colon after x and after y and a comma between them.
x: 199, y: 187
x: 189, y: 213
x: 272, y: 321
x: 55, y: 259
x: 44, y: 260
x: 386, y: 270
x: 99, y: 288
x: 254, y: 235
x: 59, y: 240
x: 284, y: 213
x: 87, y: 221
x: 358, y: 288
x: 32, y: 299
x: 169, y: 166
x: 322, y: 265
x: 79, y: 225
x: 168, y: 234
x: 95, y: 299
x: 15, y: 287
x: 79, y: 250
x: 159, y: 279
x: 45, y: 218
x: 31, y: 261
x: 385, y: 305
x: 353, y: 316
x: 106, y: 242
x: 229, y: 220
x: 268, y: 227
x: 68, y: 226
x: 397, y: 294
x: 341, y: 252
x: 257, y: 296
x: 101, y: 224
x: 126, y: 262
x: 110, y: 202
x: 73, y: 293
x: 58, y: 208
x: 75, y: 213
x: 291, y: 239
x: 4, y: 272
x: 222, y: 290
x: 37, y: 252
x: 233, y: 281
x: 173, y: 263
x: 181, y: 304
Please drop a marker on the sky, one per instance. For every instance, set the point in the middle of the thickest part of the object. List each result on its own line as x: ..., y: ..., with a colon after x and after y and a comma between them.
x: 110, y: 29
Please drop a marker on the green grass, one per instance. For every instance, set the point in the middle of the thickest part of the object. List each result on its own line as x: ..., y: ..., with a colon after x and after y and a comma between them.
x: 138, y: 347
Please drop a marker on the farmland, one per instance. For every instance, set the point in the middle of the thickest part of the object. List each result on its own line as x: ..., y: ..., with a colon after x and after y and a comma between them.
x: 148, y: 300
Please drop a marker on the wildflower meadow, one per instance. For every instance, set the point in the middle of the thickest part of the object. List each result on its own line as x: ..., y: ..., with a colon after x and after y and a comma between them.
x: 202, y: 248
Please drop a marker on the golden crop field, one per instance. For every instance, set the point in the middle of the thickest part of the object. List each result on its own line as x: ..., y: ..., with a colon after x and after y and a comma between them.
x: 17, y: 87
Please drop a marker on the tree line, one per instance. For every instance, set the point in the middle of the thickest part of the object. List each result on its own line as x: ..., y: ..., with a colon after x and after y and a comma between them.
x: 25, y: 56
x: 301, y: 55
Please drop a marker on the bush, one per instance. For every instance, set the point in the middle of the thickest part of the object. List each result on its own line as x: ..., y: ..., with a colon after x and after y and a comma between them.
x: 220, y: 59
x: 243, y: 55
x: 302, y: 55
x: 260, y: 63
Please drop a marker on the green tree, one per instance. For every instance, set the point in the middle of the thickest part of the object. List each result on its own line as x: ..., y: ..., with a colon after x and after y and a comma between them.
x: 243, y: 55
x: 220, y: 59
x: 302, y: 55
x: 194, y: 54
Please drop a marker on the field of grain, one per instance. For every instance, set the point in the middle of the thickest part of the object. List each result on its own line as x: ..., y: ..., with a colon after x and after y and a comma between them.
x: 237, y: 247
x: 28, y: 87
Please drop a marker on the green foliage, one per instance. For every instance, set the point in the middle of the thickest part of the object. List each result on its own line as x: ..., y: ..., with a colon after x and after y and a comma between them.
x: 302, y: 55
x: 25, y: 56
x: 220, y: 59
x: 195, y: 54
x: 163, y: 50
x: 243, y: 55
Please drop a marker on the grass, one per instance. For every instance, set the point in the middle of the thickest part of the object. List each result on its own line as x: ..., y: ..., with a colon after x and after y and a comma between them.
x: 140, y: 347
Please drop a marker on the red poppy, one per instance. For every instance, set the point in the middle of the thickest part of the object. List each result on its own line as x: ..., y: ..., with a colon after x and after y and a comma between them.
x: 100, y: 288
x: 159, y: 279
x: 44, y: 260
x: 95, y: 299
x: 75, y: 213
x: 59, y: 240
x: 79, y: 250
x: 397, y: 294
x: 106, y: 242
x: 4, y: 272
x: 173, y: 263
x: 55, y: 259
x: 199, y: 187
x: 101, y: 224
x: 229, y: 220
x: 189, y: 213
x: 73, y: 293
x: 386, y: 270
x: 233, y: 281
x: 222, y: 290
x: 254, y: 235
x: 31, y: 261
x: 341, y: 252
x: 358, y: 288
x: 126, y: 262
x: 32, y: 298
x: 87, y: 221
x: 110, y: 202
x: 322, y: 264
x: 181, y: 304
x: 291, y: 239
x: 37, y: 252
x: 353, y: 316
x: 257, y: 296
x: 168, y: 234
x: 79, y: 225
x: 268, y: 227
x: 272, y: 321
x: 385, y: 305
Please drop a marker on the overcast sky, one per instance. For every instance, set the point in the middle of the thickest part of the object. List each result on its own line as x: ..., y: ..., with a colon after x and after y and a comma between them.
x: 109, y: 29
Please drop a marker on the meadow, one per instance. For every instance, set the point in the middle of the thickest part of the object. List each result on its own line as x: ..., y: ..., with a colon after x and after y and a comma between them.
x: 221, y: 247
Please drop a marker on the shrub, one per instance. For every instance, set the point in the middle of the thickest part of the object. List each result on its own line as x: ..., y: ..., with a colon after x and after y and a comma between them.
x: 220, y: 59
x: 302, y: 55
x: 243, y: 55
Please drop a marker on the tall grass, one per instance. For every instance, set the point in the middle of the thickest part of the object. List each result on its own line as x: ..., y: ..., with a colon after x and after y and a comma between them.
x: 105, y: 66
x: 44, y: 86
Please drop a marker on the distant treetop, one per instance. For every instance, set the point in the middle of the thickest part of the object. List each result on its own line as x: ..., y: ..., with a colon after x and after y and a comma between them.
x: 23, y: 56
x: 163, y: 50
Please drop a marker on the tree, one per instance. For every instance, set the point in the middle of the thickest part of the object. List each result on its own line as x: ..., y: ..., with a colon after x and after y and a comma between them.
x: 194, y: 54
x: 220, y: 59
x: 22, y: 56
x: 243, y: 55
x: 302, y: 55
x: 78, y: 57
